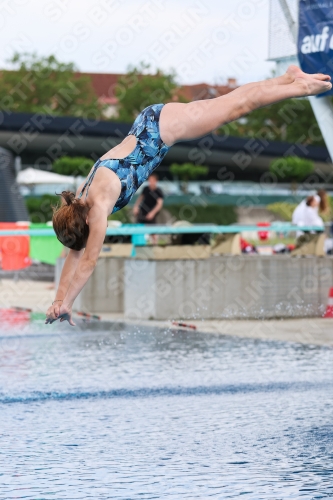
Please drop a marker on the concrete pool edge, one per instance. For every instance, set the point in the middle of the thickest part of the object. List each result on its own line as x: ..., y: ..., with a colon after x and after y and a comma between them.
x: 311, y: 331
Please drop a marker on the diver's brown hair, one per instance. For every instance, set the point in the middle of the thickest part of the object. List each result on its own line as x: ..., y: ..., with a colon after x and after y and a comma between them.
x: 324, y: 204
x: 69, y: 221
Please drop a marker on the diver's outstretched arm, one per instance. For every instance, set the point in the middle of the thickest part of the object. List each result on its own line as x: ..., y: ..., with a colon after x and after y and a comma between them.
x: 85, y: 266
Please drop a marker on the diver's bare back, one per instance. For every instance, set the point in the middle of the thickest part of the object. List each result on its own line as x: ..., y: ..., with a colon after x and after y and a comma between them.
x: 105, y: 189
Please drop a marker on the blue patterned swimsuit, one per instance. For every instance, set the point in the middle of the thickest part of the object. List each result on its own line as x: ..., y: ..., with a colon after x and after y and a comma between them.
x: 135, y: 168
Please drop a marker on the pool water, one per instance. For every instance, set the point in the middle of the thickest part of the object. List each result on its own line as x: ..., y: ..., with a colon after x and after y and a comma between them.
x: 110, y: 411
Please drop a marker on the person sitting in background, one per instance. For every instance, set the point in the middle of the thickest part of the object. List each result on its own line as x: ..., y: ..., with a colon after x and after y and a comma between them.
x: 307, y: 212
x: 149, y: 203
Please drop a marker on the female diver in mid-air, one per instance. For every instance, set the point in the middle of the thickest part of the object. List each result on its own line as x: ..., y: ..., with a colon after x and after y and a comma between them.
x: 81, y: 221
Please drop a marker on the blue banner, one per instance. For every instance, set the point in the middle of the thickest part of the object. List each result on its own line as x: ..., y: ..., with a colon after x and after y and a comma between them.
x: 315, y: 37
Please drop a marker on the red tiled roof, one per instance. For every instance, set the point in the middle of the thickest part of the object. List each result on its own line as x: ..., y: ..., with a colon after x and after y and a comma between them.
x: 104, y: 84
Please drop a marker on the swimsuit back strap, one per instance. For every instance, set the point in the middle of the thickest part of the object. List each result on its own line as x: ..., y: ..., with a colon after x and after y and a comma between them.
x: 88, y: 182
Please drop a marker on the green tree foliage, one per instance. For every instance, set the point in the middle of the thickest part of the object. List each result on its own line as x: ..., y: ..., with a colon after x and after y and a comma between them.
x: 291, y: 168
x: 291, y: 120
x: 45, y: 85
x: 40, y: 208
x: 138, y: 89
x: 77, y: 165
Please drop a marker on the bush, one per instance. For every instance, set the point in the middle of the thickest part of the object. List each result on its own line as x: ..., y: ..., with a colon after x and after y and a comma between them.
x: 212, y: 214
x: 40, y: 209
x: 186, y: 171
x: 78, y: 165
x: 291, y: 168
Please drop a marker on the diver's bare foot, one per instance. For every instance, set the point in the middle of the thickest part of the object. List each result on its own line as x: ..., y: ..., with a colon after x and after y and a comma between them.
x: 310, y: 86
x: 294, y: 72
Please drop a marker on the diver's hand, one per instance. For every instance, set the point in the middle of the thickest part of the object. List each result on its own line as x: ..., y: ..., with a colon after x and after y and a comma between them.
x: 63, y: 314
x: 53, y: 311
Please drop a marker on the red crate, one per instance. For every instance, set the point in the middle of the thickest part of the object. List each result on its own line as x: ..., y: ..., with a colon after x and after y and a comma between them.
x: 14, y: 250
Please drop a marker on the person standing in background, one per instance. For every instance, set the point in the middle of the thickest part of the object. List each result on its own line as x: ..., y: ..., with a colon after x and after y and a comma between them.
x: 149, y: 203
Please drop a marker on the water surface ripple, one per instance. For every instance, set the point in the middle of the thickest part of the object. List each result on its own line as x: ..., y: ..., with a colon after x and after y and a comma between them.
x: 108, y: 411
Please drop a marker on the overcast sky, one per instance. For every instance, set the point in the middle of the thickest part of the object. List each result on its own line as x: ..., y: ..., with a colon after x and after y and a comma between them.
x: 202, y: 40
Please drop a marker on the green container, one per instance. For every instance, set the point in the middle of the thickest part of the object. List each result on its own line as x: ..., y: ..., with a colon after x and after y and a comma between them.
x: 45, y: 249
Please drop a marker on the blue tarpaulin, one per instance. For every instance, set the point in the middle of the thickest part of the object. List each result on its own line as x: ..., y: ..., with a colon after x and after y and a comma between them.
x: 315, y: 37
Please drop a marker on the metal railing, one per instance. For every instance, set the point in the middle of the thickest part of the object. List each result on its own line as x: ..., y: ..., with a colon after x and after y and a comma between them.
x: 128, y: 230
